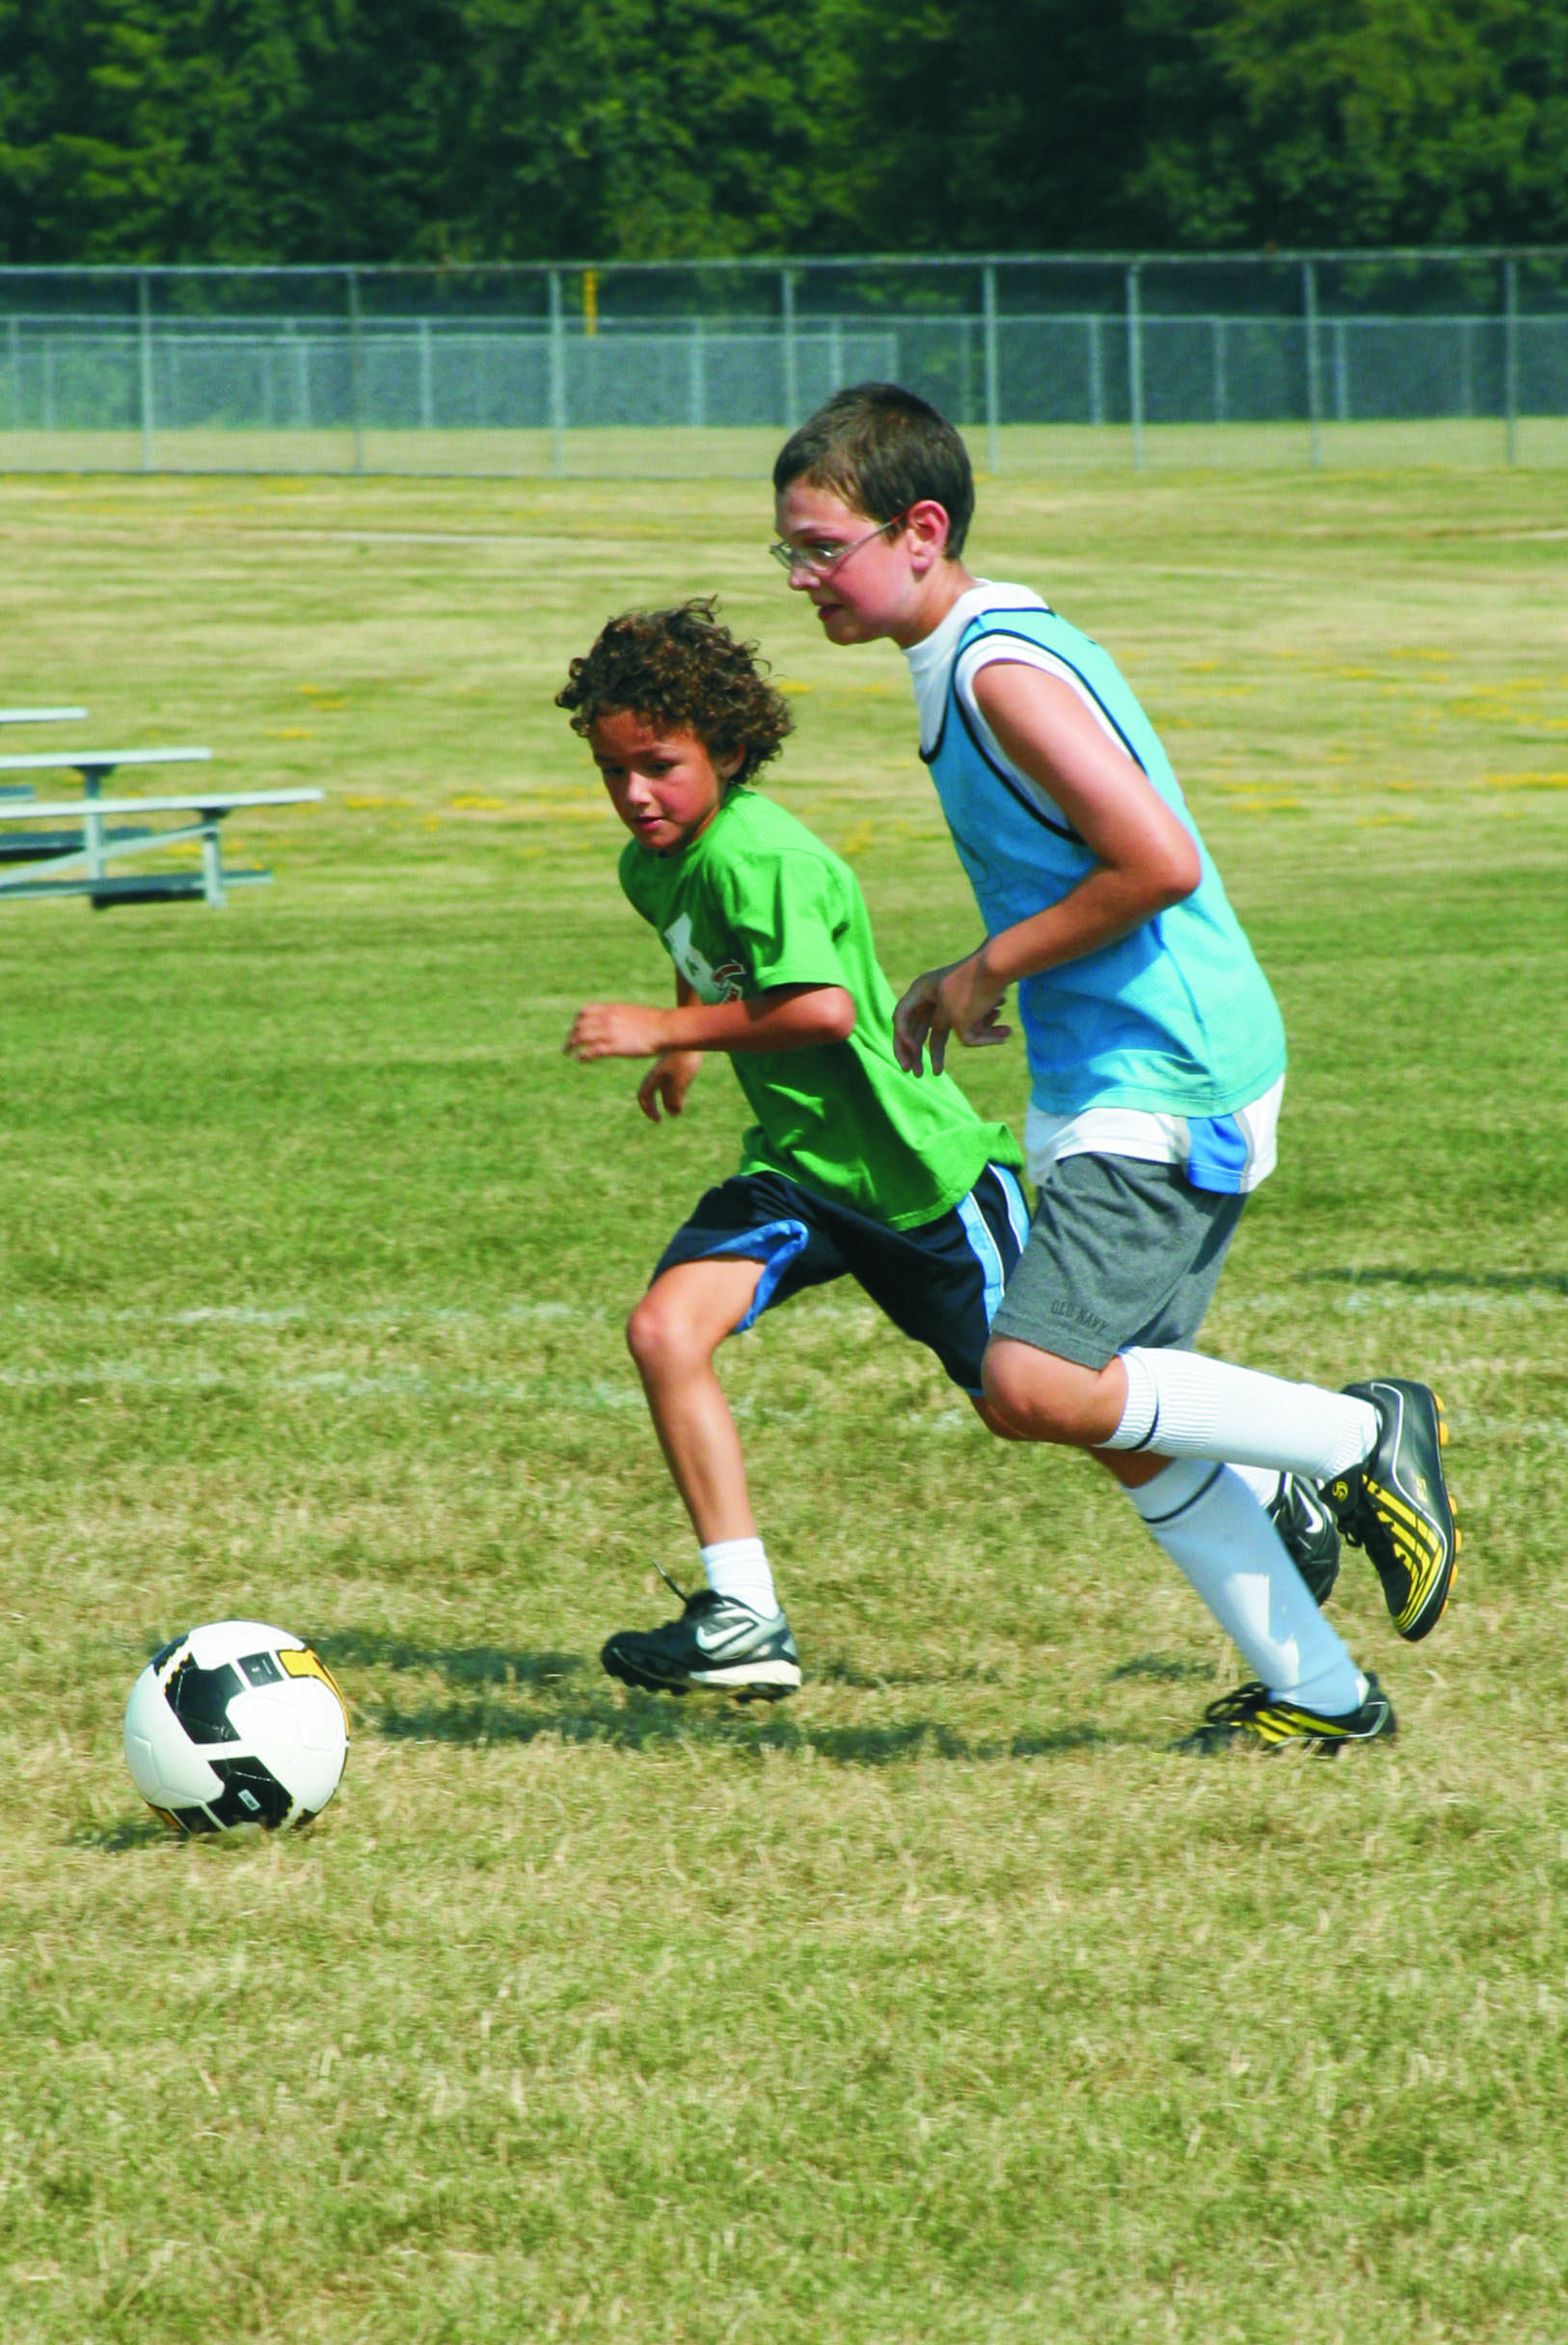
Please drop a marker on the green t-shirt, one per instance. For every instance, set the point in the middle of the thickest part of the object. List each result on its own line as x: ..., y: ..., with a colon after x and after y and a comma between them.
x: 754, y: 902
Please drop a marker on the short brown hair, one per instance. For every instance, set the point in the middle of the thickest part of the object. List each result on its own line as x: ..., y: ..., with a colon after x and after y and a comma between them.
x: 681, y: 669
x: 882, y: 451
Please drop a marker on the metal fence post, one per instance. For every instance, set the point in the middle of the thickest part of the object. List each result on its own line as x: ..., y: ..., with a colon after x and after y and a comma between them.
x: 1135, y: 363
x: 1221, y: 398
x: 792, y: 379
x: 427, y: 379
x: 994, y: 370
x: 1467, y: 366
x: 1314, y: 383
x: 1097, y: 370
x: 356, y: 369
x: 144, y: 347
x: 696, y: 380
x: 302, y: 378
x: 1341, y: 372
x: 1510, y: 357
x: 557, y: 377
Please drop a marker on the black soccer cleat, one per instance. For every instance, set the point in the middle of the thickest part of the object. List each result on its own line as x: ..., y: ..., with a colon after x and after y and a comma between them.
x: 1397, y: 1505
x: 717, y: 1646
x: 1309, y: 1533
x: 1251, y: 1717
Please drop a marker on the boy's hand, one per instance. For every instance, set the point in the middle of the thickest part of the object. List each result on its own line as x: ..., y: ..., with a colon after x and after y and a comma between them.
x: 959, y: 999
x: 617, y: 1030
x: 667, y: 1082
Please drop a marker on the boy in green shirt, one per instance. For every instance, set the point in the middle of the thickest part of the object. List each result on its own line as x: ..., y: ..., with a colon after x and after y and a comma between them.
x: 848, y: 1168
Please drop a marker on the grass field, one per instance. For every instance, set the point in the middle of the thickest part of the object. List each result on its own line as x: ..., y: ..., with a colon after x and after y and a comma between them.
x: 943, y: 2005
x: 1024, y: 452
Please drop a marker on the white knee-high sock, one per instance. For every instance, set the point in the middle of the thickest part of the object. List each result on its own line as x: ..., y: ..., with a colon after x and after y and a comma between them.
x: 1216, y: 1533
x: 739, y: 1567
x: 1181, y: 1405
x: 1263, y: 1481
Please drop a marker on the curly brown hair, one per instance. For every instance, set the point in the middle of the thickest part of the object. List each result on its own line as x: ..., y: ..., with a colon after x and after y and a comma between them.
x: 682, y: 669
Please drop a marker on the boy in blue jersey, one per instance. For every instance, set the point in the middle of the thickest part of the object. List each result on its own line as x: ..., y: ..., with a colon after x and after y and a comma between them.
x: 1156, y: 1062
x: 849, y: 1169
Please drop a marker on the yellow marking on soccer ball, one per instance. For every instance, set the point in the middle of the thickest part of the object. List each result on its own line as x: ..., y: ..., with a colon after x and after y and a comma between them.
x: 307, y: 1664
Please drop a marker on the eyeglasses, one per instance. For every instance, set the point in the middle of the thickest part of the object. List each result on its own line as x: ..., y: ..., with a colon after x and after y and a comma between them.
x: 821, y: 562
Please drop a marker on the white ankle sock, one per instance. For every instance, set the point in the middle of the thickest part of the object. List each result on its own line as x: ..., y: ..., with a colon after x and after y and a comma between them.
x: 1216, y: 1533
x: 738, y: 1568
x: 1182, y: 1405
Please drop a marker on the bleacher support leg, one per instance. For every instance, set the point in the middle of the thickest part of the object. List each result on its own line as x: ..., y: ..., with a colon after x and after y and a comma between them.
x: 212, y: 864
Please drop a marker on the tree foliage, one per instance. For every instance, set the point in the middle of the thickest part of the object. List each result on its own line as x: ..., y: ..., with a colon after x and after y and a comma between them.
x: 423, y: 129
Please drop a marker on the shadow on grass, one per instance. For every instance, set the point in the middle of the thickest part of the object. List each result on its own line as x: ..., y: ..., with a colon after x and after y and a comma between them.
x: 464, y: 1665
x: 1164, y: 1669
x: 651, y: 1721
x: 1465, y: 1281
x: 146, y: 1831
x: 873, y: 1681
x: 519, y: 1697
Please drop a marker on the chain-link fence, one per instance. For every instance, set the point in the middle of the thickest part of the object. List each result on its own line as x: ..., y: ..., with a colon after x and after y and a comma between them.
x: 685, y: 368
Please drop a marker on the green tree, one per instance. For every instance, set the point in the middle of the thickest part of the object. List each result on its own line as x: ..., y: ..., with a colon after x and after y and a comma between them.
x: 325, y: 130
x: 1004, y: 124
x: 1353, y: 121
x: 655, y: 131
x: 181, y: 130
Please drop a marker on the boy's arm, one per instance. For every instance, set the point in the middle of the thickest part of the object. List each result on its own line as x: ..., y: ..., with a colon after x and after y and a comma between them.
x: 783, y: 1017
x: 1146, y: 860
x: 672, y: 1073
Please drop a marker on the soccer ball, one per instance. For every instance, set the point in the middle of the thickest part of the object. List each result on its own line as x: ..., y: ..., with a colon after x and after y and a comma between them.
x: 235, y: 1724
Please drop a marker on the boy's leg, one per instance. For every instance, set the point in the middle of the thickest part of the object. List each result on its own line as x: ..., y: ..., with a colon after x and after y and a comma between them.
x: 673, y: 1335
x: 1378, y: 1447
x: 749, y: 1243
x: 1074, y: 1359
x: 730, y: 1636
x: 1121, y: 1250
x: 1228, y: 1550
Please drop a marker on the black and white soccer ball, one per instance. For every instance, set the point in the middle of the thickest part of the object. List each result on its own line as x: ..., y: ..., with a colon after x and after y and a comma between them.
x: 235, y: 1724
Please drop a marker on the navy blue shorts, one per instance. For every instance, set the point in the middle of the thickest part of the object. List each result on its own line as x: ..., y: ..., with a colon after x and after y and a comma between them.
x: 940, y: 1283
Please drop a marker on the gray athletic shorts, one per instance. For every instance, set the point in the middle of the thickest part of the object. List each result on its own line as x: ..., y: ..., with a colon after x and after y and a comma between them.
x: 1118, y: 1252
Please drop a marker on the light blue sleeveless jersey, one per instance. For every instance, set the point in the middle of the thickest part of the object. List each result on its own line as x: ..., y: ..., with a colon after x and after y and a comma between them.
x: 1178, y: 1017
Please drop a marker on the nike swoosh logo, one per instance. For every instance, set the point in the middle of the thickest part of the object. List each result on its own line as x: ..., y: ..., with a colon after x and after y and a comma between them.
x: 727, y: 1640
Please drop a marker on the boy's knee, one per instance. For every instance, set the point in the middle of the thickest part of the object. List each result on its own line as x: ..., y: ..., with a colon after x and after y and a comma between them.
x: 992, y: 1418
x: 1014, y: 1405
x: 658, y: 1331
x: 1033, y: 1396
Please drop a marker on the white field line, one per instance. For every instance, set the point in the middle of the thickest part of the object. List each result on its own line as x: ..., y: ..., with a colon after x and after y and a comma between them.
x: 940, y: 1414
x: 1304, y: 1303
x: 389, y: 1318
x: 1449, y: 1302
x: 331, y: 1384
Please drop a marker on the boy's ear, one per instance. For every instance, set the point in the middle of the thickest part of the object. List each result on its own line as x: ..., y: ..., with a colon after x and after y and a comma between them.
x: 728, y: 767
x: 924, y: 527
